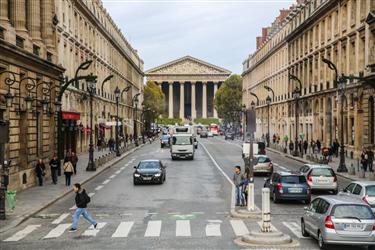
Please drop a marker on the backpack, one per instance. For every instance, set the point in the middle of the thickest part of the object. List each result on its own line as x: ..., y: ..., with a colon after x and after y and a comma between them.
x: 87, y: 198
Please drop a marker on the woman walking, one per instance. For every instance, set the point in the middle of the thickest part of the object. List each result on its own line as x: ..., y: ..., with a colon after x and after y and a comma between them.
x: 68, y: 171
x: 40, y: 169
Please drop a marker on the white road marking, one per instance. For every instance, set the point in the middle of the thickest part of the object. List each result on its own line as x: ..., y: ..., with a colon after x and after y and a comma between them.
x: 123, y: 229
x: 61, y: 218
x: 99, y: 187
x: 174, y: 213
x: 183, y: 228
x: 127, y: 214
x: 283, y: 168
x: 153, y: 228
x: 92, y: 231
x: 112, y: 176
x: 273, y: 229
x: 91, y: 194
x: 197, y: 212
x: 295, y: 229
x: 73, y: 208
x: 151, y: 213
x: 23, y: 233
x: 106, y: 181
x: 57, y: 231
x: 127, y: 164
x: 213, y: 228
x: 239, y: 227
x: 118, y: 171
x: 122, y: 168
x: 222, y: 212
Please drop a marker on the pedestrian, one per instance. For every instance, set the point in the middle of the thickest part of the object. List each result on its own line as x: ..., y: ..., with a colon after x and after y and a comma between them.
x: 312, y: 145
x: 246, y: 177
x: 300, y: 147
x: 99, y: 144
x: 291, y: 147
x: 81, y: 199
x: 74, y: 160
x: 330, y: 154
x: 238, y: 182
x: 364, y: 159
x: 40, y: 169
x: 370, y: 157
x: 53, y: 163
x: 305, y: 146
x: 68, y: 171
x: 318, y: 145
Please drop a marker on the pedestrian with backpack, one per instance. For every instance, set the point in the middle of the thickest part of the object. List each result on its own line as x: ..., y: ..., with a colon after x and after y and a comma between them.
x: 81, y: 199
x: 68, y: 171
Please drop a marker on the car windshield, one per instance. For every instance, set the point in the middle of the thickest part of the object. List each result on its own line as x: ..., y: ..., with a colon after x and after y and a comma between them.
x: 149, y: 165
x: 370, y: 191
x: 348, y: 211
x: 293, y: 179
x: 165, y: 137
x: 182, y: 140
x: 326, y: 172
x: 262, y: 160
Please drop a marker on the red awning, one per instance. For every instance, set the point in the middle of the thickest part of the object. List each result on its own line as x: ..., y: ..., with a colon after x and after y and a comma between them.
x: 70, y: 115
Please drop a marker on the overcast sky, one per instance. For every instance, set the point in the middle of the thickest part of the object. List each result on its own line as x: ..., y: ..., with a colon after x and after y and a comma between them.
x: 217, y: 31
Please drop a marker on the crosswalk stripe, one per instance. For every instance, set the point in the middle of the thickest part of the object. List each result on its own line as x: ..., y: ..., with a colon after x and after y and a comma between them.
x: 274, y: 229
x: 239, y: 227
x: 118, y: 171
x: 91, y: 194
x: 91, y: 231
x: 112, y: 176
x: 123, y: 229
x: 99, y: 187
x: 213, y: 228
x: 153, y: 228
x: 23, y: 233
x: 106, y: 181
x: 294, y: 228
x: 60, y: 219
x: 183, y: 228
x: 57, y: 231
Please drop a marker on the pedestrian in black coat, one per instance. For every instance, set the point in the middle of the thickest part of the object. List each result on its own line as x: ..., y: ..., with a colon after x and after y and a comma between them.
x: 53, y: 163
x: 370, y: 156
x: 40, y: 169
x: 305, y: 146
x: 318, y: 145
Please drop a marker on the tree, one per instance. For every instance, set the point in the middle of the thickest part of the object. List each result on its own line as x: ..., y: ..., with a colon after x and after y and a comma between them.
x: 153, y: 101
x: 228, y: 99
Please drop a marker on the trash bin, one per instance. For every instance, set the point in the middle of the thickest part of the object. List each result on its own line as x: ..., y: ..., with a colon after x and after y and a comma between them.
x: 11, y: 199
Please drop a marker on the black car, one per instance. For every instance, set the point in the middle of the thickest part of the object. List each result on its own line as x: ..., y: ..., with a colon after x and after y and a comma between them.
x: 285, y: 185
x: 165, y: 141
x: 229, y: 135
x: 149, y: 171
x: 203, y: 134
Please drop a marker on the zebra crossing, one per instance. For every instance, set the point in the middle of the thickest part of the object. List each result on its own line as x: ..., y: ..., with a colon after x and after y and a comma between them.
x: 153, y: 229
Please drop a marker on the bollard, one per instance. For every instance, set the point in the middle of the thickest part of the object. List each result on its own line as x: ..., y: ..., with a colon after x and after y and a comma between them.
x: 266, y: 213
x: 250, y: 197
x: 352, y: 169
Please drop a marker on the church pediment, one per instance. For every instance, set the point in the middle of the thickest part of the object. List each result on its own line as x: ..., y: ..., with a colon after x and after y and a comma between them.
x: 188, y: 66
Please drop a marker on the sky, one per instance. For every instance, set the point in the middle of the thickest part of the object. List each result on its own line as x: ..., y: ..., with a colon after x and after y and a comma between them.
x: 221, y: 32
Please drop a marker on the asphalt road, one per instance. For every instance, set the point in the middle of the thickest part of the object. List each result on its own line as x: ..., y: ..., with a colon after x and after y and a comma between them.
x: 189, y: 211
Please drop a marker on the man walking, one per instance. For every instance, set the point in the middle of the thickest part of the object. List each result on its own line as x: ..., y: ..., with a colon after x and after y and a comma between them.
x: 238, y: 181
x: 40, y: 169
x: 81, y: 199
x: 53, y: 164
x: 305, y: 146
x: 370, y: 159
x: 74, y: 160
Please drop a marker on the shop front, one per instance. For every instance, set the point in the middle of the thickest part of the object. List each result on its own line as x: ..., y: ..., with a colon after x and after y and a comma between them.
x: 70, y: 131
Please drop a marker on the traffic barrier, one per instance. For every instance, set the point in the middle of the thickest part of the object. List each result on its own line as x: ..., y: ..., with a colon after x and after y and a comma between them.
x: 266, y: 213
x: 250, y: 197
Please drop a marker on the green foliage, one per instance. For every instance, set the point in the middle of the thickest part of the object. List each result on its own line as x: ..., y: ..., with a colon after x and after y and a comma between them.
x: 169, y: 121
x: 206, y: 121
x: 228, y: 98
x: 153, y: 100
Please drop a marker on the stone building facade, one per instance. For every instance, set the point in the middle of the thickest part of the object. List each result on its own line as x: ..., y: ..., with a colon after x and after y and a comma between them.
x: 341, y: 31
x: 189, y: 85
x: 29, y: 68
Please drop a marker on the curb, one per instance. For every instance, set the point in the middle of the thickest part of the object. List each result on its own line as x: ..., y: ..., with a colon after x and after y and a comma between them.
x: 23, y: 218
x: 249, y: 215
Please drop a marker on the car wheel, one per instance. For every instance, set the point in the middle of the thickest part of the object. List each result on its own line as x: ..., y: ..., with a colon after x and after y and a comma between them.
x: 274, y: 198
x: 162, y: 146
x: 135, y: 182
x: 335, y: 192
x: 321, y: 243
x: 303, y: 229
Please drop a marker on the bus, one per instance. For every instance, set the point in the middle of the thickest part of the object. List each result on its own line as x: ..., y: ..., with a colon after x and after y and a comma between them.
x: 214, y: 128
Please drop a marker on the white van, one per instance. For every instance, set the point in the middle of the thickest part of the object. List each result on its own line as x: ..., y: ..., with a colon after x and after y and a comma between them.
x: 182, y: 146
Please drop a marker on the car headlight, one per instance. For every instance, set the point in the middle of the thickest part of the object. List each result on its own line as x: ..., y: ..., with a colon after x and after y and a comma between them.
x: 137, y: 175
x: 158, y: 175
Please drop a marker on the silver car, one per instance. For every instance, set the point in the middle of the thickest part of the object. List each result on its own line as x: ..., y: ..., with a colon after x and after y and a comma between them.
x: 339, y: 220
x: 320, y: 177
x: 263, y: 164
x: 364, y: 190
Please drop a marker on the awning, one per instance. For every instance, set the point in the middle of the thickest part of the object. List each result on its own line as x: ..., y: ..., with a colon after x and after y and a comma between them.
x: 70, y: 115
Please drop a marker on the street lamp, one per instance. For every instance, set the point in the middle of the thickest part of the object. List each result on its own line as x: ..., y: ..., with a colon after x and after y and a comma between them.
x: 135, y: 108
x: 117, y: 95
x: 91, y: 86
x: 243, y: 121
x: 296, y: 95
x: 268, y: 101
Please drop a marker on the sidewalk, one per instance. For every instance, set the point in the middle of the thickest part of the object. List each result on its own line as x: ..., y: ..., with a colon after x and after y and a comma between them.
x: 34, y: 199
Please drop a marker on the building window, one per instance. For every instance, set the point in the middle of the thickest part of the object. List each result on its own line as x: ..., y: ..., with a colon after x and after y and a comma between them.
x: 19, y: 41
x: 1, y: 33
x: 36, y: 50
x: 49, y: 57
x: 371, y: 123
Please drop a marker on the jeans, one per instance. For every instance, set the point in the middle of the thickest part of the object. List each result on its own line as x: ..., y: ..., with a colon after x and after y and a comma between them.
x: 40, y: 180
x: 85, y: 214
x: 239, y: 196
x: 67, y: 178
x: 54, y: 175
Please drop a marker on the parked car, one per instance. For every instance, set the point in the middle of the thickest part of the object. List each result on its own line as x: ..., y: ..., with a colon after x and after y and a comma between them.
x: 203, y: 134
x: 151, y: 171
x: 364, y: 190
x: 320, y: 177
x: 285, y: 185
x: 229, y: 135
x: 165, y: 141
x: 262, y: 164
x: 340, y: 220
x: 210, y: 134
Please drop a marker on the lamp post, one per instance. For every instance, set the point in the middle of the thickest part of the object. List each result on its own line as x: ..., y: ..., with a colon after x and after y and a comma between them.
x: 243, y: 122
x: 117, y: 95
x: 135, y: 106
x: 268, y: 101
x: 91, y: 86
x: 296, y: 95
x: 251, y: 153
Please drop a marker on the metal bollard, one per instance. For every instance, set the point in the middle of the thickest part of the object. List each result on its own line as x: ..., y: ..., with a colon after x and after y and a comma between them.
x: 266, y: 211
x: 250, y: 197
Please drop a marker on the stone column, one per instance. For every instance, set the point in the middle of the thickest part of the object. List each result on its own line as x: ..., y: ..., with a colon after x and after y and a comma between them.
x: 170, y: 105
x: 193, y: 108
x: 34, y: 19
x: 182, y: 100
x: 215, y: 90
x: 204, y: 99
x: 4, y: 12
x: 19, y: 15
x: 46, y: 16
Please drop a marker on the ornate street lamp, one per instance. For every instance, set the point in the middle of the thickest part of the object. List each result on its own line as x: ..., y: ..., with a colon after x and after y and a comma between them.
x: 135, y: 107
x: 268, y: 102
x: 9, y: 99
x: 297, y: 92
x: 252, y: 105
x: 117, y: 95
x: 91, y: 86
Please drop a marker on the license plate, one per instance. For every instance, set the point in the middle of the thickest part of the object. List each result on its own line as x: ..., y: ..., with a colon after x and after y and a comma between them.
x: 322, y: 181
x: 295, y: 190
x: 353, y: 227
x: 147, y: 178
